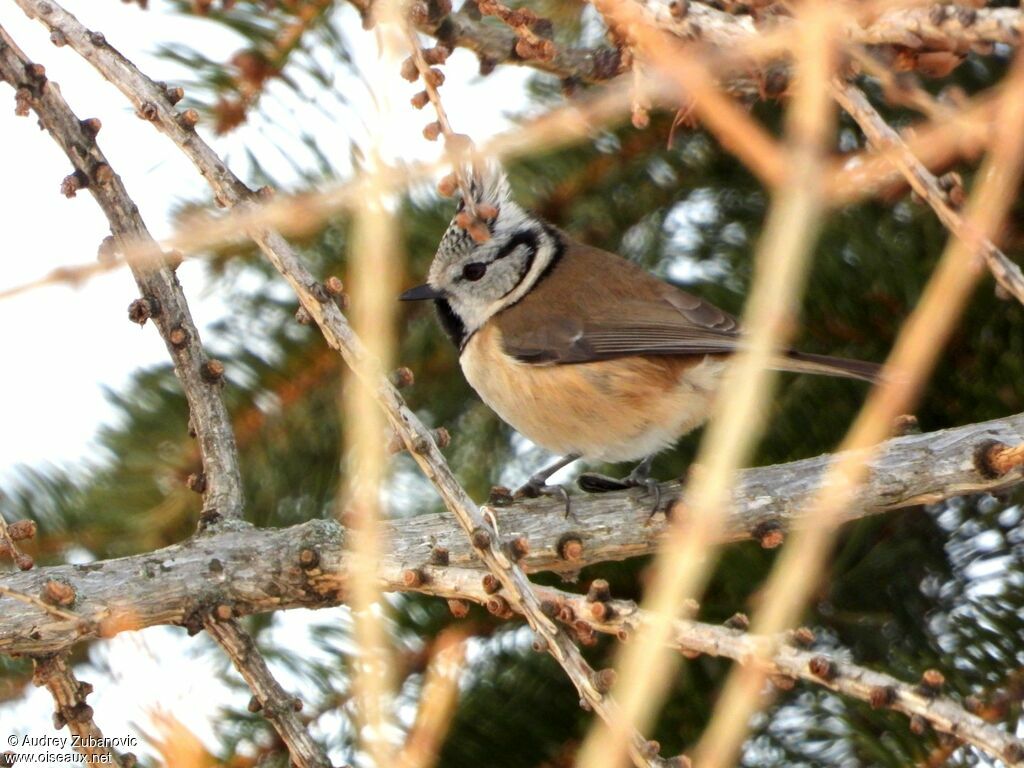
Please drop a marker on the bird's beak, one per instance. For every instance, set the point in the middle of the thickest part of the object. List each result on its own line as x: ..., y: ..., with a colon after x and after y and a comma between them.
x: 422, y: 292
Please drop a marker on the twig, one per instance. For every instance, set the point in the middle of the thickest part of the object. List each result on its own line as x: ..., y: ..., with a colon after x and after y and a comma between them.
x: 922, y: 337
x: 734, y: 127
x: 45, y: 607
x: 777, y: 656
x: 936, y: 144
x: 269, y: 697
x: 10, y: 535
x: 259, y: 565
x: 881, y: 134
x: 162, y: 299
x: 453, y: 144
x: 231, y: 191
x: 899, y: 91
x: 951, y: 27
x: 957, y: 26
x: 69, y: 695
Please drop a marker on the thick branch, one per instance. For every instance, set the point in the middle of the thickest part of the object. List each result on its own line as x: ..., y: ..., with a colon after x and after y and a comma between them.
x: 597, y: 612
x: 268, y: 695
x: 69, y: 695
x: 259, y: 570
x: 305, y: 565
x: 953, y: 27
x: 162, y: 300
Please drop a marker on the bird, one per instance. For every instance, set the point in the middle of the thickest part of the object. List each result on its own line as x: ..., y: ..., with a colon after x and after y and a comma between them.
x: 580, y: 350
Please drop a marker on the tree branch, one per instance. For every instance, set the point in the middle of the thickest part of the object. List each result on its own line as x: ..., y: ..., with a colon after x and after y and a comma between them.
x: 69, y: 694
x: 305, y: 565
x: 258, y: 570
x: 923, y: 181
x: 952, y: 27
x: 162, y: 300
x: 268, y: 695
x: 785, y: 659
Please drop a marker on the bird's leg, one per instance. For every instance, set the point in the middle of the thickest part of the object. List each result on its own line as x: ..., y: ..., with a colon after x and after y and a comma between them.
x: 640, y: 477
x: 537, y: 485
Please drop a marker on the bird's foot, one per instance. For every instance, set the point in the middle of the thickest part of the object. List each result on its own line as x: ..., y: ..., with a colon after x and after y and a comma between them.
x: 591, y: 482
x: 537, y: 486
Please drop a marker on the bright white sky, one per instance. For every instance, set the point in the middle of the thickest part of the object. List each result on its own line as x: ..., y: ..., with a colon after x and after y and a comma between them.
x: 62, y: 347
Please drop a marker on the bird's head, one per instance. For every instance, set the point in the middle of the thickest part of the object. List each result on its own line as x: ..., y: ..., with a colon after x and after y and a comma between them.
x: 473, y: 278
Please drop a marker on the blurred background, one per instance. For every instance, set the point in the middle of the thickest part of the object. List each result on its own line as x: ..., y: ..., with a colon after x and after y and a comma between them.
x: 96, y: 448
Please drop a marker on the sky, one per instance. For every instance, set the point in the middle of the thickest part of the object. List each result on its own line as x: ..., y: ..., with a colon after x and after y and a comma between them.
x: 63, y: 347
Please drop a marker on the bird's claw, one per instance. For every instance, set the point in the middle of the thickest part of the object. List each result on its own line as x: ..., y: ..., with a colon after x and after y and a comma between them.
x: 535, y: 488
x: 591, y: 482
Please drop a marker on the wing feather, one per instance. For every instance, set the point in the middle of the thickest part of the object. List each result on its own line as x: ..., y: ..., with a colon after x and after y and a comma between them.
x: 597, y: 306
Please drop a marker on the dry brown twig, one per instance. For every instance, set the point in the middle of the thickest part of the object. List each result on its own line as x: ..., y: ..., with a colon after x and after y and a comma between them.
x: 697, y: 88
x: 269, y: 698
x: 10, y: 535
x: 530, y: 44
x: 162, y: 299
x: 69, y: 695
x: 48, y: 608
x: 457, y: 146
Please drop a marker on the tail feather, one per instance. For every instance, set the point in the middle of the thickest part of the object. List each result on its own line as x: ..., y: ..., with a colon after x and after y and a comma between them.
x: 824, y: 365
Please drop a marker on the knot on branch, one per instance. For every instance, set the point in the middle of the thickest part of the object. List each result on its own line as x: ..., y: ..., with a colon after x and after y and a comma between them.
x: 570, y: 547
x: 56, y: 592
x: 994, y: 459
x: 141, y: 310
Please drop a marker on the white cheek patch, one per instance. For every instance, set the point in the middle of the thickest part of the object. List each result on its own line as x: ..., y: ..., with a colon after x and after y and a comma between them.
x: 545, y: 252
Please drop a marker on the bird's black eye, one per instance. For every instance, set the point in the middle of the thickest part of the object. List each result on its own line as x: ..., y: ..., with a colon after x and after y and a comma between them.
x: 474, y: 270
